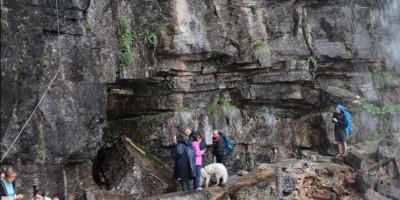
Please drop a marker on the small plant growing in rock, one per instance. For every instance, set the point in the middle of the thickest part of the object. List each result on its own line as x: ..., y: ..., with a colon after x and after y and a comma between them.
x: 383, y: 77
x: 126, y: 40
x: 149, y: 37
x: 88, y: 26
x: 4, y: 12
x: 212, y: 109
x: 385, y: 110
x: 312, y: 63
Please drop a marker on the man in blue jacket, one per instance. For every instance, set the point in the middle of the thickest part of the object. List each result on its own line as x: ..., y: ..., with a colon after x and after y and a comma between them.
x: 339, y: 118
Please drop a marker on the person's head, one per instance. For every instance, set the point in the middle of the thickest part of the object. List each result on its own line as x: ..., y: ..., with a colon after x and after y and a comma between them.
x: 10, y: 175
x: 55, y: 197
x: 39, y: 194
x: 339, y: 108
x: 215, y: 133
x: 197, y: 137
x: 187, y: 132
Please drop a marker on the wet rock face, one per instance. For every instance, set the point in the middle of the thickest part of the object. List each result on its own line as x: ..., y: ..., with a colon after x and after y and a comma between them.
x: 64, y: 133
x: 263, y: 72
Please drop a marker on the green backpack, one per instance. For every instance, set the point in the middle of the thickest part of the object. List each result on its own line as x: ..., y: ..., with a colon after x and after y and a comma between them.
x: 229, y: 145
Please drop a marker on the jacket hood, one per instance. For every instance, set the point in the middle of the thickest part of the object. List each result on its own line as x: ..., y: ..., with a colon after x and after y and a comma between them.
x: 341, y: 108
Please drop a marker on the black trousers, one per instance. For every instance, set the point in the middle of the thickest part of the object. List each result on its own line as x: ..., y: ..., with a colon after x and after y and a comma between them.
x: 187, y: 185
x: 221, y: 159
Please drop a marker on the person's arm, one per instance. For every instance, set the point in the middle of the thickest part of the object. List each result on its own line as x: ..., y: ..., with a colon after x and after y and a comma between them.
x: 202, y: 151
x: 334, y: 117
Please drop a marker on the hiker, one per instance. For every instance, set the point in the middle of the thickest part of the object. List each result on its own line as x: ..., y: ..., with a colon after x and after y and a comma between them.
x: 219, y: 147
x: 40, y: 195
x: 8, y: 189
x: 199, y: 154
x: 184, y: 157
x: 341, y: 124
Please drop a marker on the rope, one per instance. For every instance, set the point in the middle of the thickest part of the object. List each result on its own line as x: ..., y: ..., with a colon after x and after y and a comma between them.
x: 48, y: 87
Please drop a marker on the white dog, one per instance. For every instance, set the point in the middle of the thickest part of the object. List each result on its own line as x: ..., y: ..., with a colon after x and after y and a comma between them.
x: 216, y: 169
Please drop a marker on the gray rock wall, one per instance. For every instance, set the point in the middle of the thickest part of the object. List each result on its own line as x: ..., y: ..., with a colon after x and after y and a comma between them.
x: 245, y: 67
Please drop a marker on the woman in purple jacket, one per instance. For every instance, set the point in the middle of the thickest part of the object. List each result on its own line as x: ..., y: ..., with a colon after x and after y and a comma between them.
x: 199, y: 154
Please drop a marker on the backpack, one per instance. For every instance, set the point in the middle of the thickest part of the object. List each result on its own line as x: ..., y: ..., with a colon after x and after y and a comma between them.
x: 229, y: 145
x: 349, y: 124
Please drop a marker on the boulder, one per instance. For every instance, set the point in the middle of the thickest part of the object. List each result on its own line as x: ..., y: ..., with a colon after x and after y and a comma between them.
x: 372, y: 195
x: 106, y: 195
x: 212, y: 193
x: 358, y: 161
x: 259, y: 183
x: 127, y: 168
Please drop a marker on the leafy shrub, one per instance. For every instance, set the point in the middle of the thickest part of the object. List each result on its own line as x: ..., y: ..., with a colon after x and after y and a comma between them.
x: 383, y: 77
x: 126, y: 40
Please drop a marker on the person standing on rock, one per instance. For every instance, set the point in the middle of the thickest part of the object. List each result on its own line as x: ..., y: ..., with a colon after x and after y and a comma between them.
x: 219, y: 147
x: 184, y: 156
x: 199, y: 155
x: 339, y: 118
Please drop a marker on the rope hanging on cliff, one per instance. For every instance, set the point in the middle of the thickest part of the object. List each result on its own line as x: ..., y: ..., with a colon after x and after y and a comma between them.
x: 48, y: 87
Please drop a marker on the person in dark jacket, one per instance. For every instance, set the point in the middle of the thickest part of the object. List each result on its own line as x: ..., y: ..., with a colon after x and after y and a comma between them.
x: 184, y: 156
x: 219, y: 147
x: 340, y: 130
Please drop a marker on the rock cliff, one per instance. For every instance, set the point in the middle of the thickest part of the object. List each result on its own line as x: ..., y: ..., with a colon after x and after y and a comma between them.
x: 266, y: 73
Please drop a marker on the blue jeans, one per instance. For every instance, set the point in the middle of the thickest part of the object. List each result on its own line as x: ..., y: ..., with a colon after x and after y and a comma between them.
x: 198, y: 176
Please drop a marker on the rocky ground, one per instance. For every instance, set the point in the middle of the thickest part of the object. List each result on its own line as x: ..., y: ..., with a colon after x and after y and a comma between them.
x: 369, y: 171
x: 266, y: 73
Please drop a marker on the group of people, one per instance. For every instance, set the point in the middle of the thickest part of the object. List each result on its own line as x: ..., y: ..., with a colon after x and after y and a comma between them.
x: 188, y: 153
x: 191, y: 147
x: 8, y: 188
